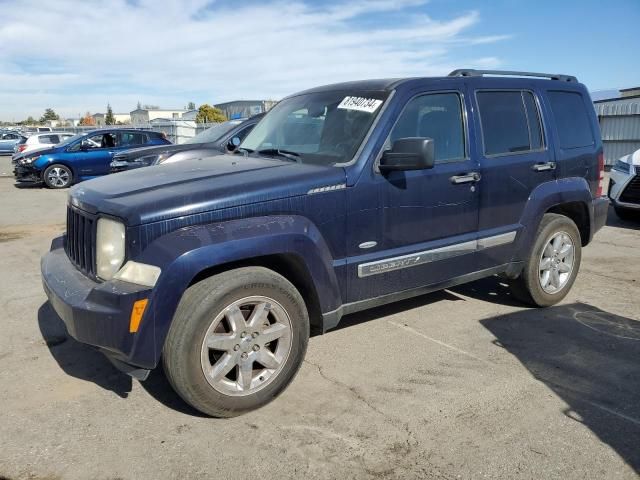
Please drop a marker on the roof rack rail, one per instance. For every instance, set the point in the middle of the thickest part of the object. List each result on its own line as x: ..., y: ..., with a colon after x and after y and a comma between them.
x: 469, y: 72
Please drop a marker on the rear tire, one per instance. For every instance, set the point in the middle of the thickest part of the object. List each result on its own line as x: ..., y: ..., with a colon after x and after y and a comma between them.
x: 627, y: 213
x: 553, y: 263
x: 236, y: 341
x: 57, y: 176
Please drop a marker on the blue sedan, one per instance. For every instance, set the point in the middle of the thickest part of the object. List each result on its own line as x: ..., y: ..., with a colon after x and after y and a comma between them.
x: 81, y: 157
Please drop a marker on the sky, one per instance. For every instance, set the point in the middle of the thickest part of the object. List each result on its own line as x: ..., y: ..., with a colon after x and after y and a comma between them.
x: 78, y: 55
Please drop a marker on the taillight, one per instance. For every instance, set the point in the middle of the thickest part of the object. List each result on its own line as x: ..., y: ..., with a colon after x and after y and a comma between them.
x: 600, y: 175
x: 22, y: 148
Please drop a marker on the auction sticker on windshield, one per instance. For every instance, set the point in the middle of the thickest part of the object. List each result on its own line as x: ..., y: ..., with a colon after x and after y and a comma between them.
x: 360, y: 103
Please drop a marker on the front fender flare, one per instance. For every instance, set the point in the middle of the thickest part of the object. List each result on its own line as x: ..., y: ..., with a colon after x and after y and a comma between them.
x: 186, y: 252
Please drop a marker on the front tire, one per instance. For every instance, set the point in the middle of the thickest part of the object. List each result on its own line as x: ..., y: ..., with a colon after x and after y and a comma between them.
x: 57, y: 176
x: 236, y: 341
x: 553, y: 263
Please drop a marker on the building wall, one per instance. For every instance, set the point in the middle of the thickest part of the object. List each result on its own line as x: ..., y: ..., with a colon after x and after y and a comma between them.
x: 619, y: 126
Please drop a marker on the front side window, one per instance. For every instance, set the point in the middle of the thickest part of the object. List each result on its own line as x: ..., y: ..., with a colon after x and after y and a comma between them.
x: 437, y: 116
x: 323, y: 128
x: 510, y: 122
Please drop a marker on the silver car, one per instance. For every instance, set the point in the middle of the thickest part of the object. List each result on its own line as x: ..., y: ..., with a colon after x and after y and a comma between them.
x: 624, y: 186
x: 8, y: 141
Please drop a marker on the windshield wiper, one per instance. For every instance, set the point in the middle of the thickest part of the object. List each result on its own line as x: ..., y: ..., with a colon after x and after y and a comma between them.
x: 288, y: 154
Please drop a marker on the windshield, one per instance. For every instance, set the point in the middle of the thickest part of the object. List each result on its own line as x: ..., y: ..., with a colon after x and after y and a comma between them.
x: 214, y: 133
x: 323, y: 128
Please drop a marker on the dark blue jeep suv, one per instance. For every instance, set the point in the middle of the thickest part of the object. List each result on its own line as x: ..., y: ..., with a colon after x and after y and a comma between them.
x: 342, y: 198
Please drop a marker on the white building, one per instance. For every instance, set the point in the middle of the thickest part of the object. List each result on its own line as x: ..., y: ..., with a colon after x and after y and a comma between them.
x: 146, y: 115
x: 122, y: 118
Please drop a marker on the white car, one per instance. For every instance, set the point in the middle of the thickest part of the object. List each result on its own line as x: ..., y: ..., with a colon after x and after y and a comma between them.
x: 624, y: 186
x: 39, y: 141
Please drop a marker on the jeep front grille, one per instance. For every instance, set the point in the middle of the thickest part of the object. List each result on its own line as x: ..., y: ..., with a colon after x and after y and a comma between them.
x: 631, y: 193
x: 80, y: 240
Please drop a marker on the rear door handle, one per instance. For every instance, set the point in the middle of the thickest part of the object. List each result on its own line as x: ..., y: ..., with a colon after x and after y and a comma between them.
x: 544, y: 166
x: 465, y: 178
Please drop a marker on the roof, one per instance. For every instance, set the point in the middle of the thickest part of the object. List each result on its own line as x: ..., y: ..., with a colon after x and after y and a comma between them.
x: 629, y: 89
x: 618, y: 98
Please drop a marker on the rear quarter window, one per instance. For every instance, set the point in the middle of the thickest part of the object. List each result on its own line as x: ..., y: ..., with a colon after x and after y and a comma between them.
x: 571, y: 119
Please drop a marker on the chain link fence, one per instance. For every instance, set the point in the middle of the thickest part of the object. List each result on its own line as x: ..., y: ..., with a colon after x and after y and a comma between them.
x: 177, y: 131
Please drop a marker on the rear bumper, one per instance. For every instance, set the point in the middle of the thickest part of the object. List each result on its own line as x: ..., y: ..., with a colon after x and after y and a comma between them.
x: 600, y: 210
x: 96, y: 313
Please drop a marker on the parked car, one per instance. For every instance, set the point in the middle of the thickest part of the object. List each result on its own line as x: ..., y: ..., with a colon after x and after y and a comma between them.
x: 81, y: 157
x: 8, y: 140
x: 624, y: 186
x: 343, y: 198
x: 38, y: 141
x: 221, y: 138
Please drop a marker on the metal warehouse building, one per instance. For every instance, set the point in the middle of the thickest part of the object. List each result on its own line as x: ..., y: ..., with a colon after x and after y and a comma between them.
x: 619, y: 124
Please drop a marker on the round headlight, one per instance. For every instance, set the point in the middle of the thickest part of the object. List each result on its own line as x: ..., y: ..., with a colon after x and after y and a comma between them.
x: 110, y: 247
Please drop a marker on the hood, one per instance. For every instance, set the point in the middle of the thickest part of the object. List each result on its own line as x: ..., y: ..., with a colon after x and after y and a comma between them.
x: 197, y: 186
x: 632, y: 158
x: 37, y: 152
x: 134, y: 153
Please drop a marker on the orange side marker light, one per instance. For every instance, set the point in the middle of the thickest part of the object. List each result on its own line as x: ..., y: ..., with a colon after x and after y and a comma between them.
x: 136, y: 314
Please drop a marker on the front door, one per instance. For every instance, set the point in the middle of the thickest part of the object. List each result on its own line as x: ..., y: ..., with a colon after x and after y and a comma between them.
x: 93, y: 155
x: 420, y: 226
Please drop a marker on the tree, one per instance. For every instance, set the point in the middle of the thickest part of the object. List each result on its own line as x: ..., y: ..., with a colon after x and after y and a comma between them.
x: 30, y: 121
x: 209, y: 114
x: 191, y: 106
x: 49, y: 114
x: 109, y: 119
x: 139, y: 105
x: 87, y: 120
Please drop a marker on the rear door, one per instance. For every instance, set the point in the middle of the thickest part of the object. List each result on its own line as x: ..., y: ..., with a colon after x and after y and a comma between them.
x: 514, y: 159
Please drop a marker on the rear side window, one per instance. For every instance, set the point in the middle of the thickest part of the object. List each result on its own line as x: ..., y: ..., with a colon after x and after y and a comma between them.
x: 129, y: 138
x: 48, y: 139
x: 510, y: 122
x: 571, y: 118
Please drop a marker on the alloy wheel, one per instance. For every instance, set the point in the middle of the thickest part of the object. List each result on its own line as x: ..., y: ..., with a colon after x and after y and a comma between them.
x: 246, y: 346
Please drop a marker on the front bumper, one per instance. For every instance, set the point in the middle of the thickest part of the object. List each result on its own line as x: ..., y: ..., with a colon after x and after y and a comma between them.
x: 27, y: 173
x: 97, y: 313
x: 618, y: 182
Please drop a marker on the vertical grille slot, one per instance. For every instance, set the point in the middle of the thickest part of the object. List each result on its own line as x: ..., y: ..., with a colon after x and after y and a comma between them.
x: 79, y: 241
x: 631, y: 193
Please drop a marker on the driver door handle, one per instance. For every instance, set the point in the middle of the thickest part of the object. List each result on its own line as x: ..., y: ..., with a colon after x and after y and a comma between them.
x: 544, y: 166
x: 465, y: 178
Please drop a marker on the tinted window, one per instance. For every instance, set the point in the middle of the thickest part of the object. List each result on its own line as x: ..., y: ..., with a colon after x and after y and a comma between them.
x: 571, y: 118
x: 437, y: 116
x: 130, y: 138
x: 505, y: 127
x: 48, y: 139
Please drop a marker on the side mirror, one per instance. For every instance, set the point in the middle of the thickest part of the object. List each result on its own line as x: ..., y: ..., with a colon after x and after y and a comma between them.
x: 233, y: 143
x: 409, y: 154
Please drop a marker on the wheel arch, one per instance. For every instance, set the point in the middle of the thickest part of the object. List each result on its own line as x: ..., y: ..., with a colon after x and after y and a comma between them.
x: 289, y: 245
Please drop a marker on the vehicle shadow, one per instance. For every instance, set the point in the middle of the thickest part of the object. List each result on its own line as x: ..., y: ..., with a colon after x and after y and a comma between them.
x: 614, y: 221
x: 77, y: 359
x: 87, y: 363
x: 588, y: 358
x: 490, y: 289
